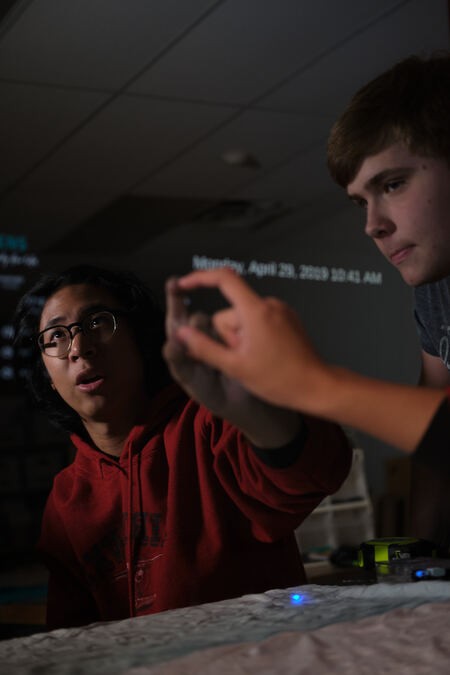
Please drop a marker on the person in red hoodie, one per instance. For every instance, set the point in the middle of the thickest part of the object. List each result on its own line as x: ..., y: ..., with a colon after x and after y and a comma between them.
x: 170, y: 501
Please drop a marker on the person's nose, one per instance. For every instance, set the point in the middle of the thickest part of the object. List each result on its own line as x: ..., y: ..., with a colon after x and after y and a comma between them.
x: 378, y: 223
x: 81, y: 345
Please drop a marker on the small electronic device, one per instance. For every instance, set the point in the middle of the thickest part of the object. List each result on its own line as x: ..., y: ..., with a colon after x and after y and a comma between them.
x: 402, y: 560
x: 414, y: 569
x: 385, y: 550
x: 429, y: 568
x: 207, y: 300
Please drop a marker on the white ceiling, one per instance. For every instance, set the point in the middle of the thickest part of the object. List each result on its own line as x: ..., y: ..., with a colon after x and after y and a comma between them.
x: 105, y: 98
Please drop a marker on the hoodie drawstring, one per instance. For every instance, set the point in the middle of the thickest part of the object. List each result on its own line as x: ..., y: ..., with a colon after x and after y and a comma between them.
x: 133, y: 532
x: 130, y: 546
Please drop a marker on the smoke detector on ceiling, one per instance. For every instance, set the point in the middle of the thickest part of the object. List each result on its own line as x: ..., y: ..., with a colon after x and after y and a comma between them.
x: 240, y: 213
x: 240, y: 158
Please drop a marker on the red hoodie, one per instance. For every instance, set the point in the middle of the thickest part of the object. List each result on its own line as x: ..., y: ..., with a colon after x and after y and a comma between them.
x: 189, y: 513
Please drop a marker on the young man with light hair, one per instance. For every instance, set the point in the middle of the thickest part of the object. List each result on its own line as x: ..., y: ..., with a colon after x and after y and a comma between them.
x: 390, y: 151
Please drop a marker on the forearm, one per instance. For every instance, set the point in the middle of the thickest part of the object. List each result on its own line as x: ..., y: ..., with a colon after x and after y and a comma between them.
x: 396, y: 414
x: 264, y: 346
x: 264, y: 425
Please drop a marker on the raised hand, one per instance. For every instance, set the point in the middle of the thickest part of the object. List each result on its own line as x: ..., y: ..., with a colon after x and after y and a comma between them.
x: 202, y: 382
x: 264, y: 424
x: 265, y: 347
x: 263, y: 344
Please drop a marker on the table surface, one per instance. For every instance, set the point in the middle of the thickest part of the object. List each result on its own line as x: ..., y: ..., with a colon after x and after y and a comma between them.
x: 135, y: 645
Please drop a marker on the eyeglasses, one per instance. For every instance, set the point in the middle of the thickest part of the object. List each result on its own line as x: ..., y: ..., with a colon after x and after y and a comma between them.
x: 98, y: 327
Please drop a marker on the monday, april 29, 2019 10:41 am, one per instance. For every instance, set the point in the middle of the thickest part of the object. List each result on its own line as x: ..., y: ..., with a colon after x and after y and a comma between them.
x: 288, y: 270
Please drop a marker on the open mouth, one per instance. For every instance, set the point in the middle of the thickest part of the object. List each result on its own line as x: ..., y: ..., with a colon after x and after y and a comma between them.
x: 89, y: 382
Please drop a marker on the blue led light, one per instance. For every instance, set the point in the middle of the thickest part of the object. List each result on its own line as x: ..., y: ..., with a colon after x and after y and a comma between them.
x: 420, y: 573
x: 296, y: 599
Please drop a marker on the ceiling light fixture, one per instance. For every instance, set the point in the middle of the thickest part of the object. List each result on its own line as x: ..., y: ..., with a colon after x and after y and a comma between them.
x: 241, y: 158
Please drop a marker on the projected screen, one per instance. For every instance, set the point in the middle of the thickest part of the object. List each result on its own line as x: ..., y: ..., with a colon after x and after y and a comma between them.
x: 18, y: 268
x: 288, y: 270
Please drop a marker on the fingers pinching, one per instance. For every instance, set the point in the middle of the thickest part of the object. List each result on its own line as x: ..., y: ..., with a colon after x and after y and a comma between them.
x: 201, y: 321
x: 227, y: 325
x: 176, y: 306
x: 231, y: 285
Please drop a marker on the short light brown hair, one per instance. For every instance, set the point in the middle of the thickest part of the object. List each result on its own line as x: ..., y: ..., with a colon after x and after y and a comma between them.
x: 409, y: 103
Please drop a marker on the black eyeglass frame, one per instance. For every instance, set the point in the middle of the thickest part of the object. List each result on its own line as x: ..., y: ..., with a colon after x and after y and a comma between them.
x: 114, y: 313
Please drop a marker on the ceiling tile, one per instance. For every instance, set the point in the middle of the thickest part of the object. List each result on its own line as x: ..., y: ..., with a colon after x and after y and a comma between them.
x: 34, y: 120
x: 130, y: 138
x: 329, y: 84
x: 74, y: 152
x: 268, y: 137
x: 101, y: 43
x: 245, y: 47
x: 298, y: 182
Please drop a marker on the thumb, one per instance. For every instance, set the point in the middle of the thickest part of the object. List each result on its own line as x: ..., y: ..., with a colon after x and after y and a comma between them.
x: 204, y: 348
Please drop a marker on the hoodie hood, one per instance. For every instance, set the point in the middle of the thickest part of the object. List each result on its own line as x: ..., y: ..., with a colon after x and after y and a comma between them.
x: 159, y: 412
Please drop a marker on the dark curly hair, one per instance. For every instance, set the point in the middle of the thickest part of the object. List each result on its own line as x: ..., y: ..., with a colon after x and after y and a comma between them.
x: 144, y: 315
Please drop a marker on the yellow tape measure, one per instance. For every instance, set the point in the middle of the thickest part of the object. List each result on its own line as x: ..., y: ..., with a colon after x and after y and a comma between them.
x: 384, y: 550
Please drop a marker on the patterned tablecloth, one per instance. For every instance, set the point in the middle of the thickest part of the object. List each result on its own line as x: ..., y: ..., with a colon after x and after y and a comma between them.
x: 398, y: 628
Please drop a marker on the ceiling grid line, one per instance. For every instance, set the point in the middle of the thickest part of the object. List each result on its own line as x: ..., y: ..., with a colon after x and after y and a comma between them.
x: 169, y: 93
x: 253, y: 103
x: 120, y: 91
x: 12, y: 15
x: 326, y: 52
